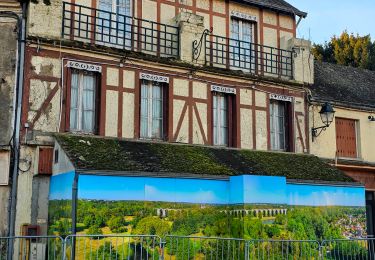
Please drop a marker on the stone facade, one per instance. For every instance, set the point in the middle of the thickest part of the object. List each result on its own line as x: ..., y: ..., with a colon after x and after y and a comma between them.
x: 8, y: 64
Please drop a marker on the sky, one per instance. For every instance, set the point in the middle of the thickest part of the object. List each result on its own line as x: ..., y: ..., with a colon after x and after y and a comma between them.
x: 319, y: 195
x: 247, y: 189
x: 326, y: 18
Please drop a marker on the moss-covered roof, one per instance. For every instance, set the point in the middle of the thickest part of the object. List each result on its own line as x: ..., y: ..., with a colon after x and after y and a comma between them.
x: 109, y: 154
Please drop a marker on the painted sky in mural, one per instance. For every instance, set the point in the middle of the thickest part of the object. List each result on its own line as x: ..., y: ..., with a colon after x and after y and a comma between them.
x: 239, y: 189
x: 61, y: 186
x: 319, y: 195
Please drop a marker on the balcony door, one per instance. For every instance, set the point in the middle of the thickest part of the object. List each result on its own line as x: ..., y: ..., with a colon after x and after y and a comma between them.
x: 242, y: 53
x: 115, y: 23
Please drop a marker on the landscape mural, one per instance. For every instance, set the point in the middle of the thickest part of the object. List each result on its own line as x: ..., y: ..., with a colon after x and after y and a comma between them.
x: 248, y: 207
x: 60, y: 204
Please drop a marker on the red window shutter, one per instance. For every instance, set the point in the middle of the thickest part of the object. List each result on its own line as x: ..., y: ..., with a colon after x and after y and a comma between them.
x: 45, y: 160
x: 346, y: 138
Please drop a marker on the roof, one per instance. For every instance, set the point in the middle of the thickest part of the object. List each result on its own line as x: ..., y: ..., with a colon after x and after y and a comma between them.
x: 344, y: 85
x: 90, y: 153
x: 276, y: 5
x: 350, y: 162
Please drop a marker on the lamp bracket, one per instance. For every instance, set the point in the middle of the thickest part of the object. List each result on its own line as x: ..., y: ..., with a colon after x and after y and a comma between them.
x: 316, y: 131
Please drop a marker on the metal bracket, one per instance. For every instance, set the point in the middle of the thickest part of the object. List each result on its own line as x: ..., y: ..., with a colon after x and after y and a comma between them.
x: 197, y: 46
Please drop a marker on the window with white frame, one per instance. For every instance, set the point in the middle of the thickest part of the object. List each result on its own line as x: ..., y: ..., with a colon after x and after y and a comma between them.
x: 152, y: 109
x: 82, y: 101
x: 114, y: 22
x: 220, y: 119
x: 241, y: 50
x: 278, y: 120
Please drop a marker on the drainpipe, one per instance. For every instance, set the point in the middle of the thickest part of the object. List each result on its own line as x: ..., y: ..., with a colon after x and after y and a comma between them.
x: 17, y: 119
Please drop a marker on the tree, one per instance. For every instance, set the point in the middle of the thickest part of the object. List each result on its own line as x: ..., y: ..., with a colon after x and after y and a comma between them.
x: 94, y: 230
x: 117, y: 224
x: 153, y: 225
x: 347, y: 49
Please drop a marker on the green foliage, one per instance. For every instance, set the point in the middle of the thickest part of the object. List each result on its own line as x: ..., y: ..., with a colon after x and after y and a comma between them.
x: 117, y: 224
x: 105, y: 251
x: 272, y: 231
x: 152, y: 226
x: 254, y: 228
x: 94, y: 230
x: 347, y: 49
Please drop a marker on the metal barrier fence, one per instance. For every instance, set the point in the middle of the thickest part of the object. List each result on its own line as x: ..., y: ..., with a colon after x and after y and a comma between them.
x: 32, y: 247
x: 128, y: 247
x: 358, y: 248
x: 134, y: 247
x: 283, y: 249
x: 195, y: 247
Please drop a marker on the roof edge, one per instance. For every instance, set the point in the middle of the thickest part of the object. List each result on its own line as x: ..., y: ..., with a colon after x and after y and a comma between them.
x: 284, y: 10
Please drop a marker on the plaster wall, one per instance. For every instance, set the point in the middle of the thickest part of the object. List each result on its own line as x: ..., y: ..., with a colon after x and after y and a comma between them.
x: 28, y: 163
x: 183, y: 136
x: 111, y: 122
x: 261, y: 130
x: 8, y: 50
x: 246, y: 128
x: 45, y: 20
x: 112, y: 77
x: 325, y: 144
x: 128, y: 108
x: 197, y: 133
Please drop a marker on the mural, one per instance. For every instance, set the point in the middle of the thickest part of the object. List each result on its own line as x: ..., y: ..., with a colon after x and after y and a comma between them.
x: 60, y: 204
x: 249, y: 207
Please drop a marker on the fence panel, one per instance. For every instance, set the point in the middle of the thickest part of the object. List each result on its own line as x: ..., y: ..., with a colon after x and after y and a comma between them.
x: 132, y: 247
x: 33, y: 247
x: 358, y: 248
x: 128, y: 247
x: 283, y: 249
x: 195, y: 247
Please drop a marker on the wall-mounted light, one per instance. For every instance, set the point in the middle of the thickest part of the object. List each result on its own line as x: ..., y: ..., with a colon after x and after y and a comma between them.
x: 371, y: 118
x: 326, y: 115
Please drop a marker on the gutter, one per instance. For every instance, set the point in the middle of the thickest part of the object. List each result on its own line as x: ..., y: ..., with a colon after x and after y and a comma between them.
x: 354, y: 167
x: 346, y: 105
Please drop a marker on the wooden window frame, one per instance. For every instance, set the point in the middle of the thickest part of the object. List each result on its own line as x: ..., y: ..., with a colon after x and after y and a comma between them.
x: 67, y: 102
x: 288, y: 127
x: 232, y: 122
x: 165, y: 107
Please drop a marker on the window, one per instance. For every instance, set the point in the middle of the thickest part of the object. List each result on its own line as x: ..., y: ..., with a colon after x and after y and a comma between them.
x: 346, y: 138
x: 220, y: 119
x: 278, y: 121
x: 83, y: 101
x: 115, y: 21
x: 242, y: 52
x: 153, y: 105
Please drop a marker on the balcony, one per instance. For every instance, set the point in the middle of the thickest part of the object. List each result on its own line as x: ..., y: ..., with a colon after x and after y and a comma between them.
x: 89, y: 25
x: 247, y: 57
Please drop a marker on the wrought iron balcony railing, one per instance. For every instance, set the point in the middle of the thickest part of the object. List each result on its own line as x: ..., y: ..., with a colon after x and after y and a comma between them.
x: 248, y: 57
x: 81, y: 23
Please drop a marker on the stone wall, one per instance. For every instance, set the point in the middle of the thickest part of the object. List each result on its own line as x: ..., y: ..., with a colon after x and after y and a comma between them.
x: 8, y: 63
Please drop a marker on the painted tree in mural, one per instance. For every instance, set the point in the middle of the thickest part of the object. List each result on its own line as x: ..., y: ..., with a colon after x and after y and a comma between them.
x: 347, y: 49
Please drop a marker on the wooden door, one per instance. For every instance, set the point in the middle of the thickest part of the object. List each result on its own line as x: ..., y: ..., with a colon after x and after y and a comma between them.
x: 346, y: 138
